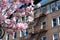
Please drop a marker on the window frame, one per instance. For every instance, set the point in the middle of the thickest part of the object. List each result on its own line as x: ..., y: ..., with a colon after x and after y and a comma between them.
x: 43, y: 26
x: 43, y: 37
x: 58, y: 4
x: 53, y: 7
x: 53, y: 22
x: 48, y: 9
x: 58, y: 20
x: 53, y: 36
x: 14, y: 35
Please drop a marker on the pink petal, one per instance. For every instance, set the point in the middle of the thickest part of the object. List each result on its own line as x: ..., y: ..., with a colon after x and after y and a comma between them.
x: 7, y: 21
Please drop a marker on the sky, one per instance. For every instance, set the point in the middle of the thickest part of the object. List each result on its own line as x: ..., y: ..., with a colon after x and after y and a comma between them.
x: 43, y: 1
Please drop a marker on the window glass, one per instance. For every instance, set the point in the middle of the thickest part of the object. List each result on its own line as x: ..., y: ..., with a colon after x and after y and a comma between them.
x: 54, y: 22
x: 59, y: 20
x: 15, y: 35
x: 58, y: 3
x: 44, y: 24
x: 55, y: 36
x: 53, y: 7
x: 43, y: 38
x: 23, y: 33
x: 43, y: 9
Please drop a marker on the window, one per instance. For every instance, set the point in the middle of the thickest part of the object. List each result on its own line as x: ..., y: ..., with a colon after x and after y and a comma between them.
x: 58, y: 3
x: 53, y: 7
x: 23, y: 33
x: 0, y: 39
x: 7, y: 36
x: 55, y: 36
x: 43, y: 38
x: 54, y: 22
x: 44, y: 9
x: 59, y: 20
x: 43, y: 25
x: 48, y: 9
x: 14, y: 35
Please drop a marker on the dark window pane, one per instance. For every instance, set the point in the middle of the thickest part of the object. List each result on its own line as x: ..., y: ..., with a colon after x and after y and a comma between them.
x: 44, y: 23
x: 56, y: 39
x: 59, y: 18
x: 44, y: 38
x: 26, y: 31
x: 7, y: 36
x: 23, y: 18
x: 54, y: 24
x: 15, y: 35
x: 54, y: 21
x: 53, y: 9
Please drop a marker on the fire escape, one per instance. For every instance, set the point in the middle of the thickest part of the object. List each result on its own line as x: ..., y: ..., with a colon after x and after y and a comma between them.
x: 35, y: 30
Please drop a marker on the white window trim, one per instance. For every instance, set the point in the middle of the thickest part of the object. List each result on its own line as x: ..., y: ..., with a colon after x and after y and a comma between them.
x: 52, y: 23
x: 58, y: 20
x: 7, y: 36
x: 20, y: 33
x: 53, y: 36
x: 13, y: 35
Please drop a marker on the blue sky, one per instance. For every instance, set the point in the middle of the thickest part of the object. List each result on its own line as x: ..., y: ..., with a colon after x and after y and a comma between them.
x: 43, y: 1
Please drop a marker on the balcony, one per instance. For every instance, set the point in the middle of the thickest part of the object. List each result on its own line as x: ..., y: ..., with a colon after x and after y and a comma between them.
x: 34, y: 31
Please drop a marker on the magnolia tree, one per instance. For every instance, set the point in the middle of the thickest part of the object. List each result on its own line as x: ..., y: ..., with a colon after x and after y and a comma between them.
x: 13, y: 17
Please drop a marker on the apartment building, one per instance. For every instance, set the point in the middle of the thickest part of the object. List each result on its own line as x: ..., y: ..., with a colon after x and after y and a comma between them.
x: 46, y: 25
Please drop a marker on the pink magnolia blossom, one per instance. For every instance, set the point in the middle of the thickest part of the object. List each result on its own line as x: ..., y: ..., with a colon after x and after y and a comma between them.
x: 22, y: 26
x: 14, y: 19
x: 18, y: 14
x: 25, y: 26
x: 30, y: 19
x: 10, y: 31
x: 27, y: 1
x: 23, y: 1
x: 11, y: 24
x: 14, y: 14
x: 8, y: 13
x: 7, y: 21
x: 23, y: 13
x: 5, y: 1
